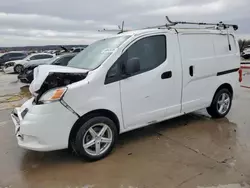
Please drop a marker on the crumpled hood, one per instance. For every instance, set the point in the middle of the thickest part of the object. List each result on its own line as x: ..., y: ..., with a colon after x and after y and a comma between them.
x: 43, y: 72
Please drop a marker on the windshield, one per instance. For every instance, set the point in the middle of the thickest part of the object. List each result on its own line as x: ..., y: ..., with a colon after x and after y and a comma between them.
x: 52, y: 60
x: 28, y: 57
x: 95, y: 54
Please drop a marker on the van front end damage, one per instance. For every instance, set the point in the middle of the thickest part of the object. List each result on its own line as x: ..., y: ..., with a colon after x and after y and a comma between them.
x: 37, y: 119
x: 58, y: 80
x: 48, y: 77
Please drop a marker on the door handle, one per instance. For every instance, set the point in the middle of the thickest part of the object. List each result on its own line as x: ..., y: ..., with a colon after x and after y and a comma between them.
x: 191, y: 70
x: 166, y: 75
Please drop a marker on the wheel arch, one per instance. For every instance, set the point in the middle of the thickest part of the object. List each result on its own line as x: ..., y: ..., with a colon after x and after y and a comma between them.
x: 14, y: 68
x: 224, y: 86
x: 100, y: 112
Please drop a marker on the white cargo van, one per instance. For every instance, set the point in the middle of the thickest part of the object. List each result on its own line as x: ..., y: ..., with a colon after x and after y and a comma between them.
x: 128, y: 81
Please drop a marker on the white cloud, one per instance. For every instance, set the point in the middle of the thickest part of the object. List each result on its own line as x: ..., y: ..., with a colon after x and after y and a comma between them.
x: 214, y: 8
x: 22, y: 37
x: 25, y: 22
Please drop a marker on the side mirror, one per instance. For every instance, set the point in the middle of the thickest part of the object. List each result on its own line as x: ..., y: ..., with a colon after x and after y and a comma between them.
x: 28, y: 59
x: 132, y: 66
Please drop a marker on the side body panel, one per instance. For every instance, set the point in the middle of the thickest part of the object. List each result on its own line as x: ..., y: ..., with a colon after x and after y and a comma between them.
x: 204, y: 57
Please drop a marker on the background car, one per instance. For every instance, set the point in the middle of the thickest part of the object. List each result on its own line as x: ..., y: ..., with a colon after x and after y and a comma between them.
x: 10, y: 56
x: 26, y: 76
x: 246, y: 53
x: 18, y: 65
x: 77, y: 50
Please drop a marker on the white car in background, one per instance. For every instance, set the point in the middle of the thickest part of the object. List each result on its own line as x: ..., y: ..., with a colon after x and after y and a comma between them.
x: 18, y: 65
x: 246, y: 53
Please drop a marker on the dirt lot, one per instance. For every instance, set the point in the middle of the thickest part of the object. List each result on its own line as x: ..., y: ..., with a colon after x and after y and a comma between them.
x: 189, y: 151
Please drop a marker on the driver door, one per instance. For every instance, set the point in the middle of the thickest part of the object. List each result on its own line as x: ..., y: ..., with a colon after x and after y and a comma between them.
x: 151, y: 94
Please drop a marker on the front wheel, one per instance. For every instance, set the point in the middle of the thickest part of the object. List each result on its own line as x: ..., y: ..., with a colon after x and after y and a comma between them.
x: 96, y: 138
x: 18, y: 68
x: 221, y: 104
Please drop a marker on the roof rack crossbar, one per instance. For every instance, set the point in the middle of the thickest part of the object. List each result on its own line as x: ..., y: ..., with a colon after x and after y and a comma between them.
x: 172, y: 23
x: 220, y: 24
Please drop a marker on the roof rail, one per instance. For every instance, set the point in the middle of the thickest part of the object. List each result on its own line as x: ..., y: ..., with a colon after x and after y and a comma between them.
x: 172, y: 23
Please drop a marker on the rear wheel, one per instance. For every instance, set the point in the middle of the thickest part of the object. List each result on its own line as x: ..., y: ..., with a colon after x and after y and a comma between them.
x: 18, y: 68
x: 221, y: 104
x: 96, y: 138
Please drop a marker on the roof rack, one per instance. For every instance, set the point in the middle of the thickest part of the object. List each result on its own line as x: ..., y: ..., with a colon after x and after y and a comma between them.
x: 172, y: 23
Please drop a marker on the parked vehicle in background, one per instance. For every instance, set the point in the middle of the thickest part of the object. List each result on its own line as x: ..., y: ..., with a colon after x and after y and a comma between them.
x: 26, y: 75
x: 76, y: 50
x: 18, y: 65
x: 129, y: 81
x: 11, y: 56
x: 246, y: 53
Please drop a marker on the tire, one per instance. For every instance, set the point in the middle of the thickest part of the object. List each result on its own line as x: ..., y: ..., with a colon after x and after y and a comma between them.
x: 18, y: 68
x: 95, y: 140
x: 246, y: 56
x: 216, y: 110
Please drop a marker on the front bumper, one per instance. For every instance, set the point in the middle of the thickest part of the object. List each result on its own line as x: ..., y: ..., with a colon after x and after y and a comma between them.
x: 9, y: 69
x: 43, y: 127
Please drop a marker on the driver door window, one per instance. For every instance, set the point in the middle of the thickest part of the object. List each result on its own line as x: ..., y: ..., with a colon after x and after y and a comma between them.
x: 151, y: 52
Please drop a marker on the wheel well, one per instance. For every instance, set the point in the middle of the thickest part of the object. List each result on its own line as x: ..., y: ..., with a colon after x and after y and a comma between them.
x: 89, y: 115
x: 17, y: 65
x: 224, y: 86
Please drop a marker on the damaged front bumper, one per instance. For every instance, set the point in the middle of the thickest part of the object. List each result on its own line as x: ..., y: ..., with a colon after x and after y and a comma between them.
x: 43, y: 127
x: 8, y: 69
x: 26, y: 77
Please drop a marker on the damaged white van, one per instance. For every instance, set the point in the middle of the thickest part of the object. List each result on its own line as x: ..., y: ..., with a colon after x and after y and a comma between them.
x: 128, y: 81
